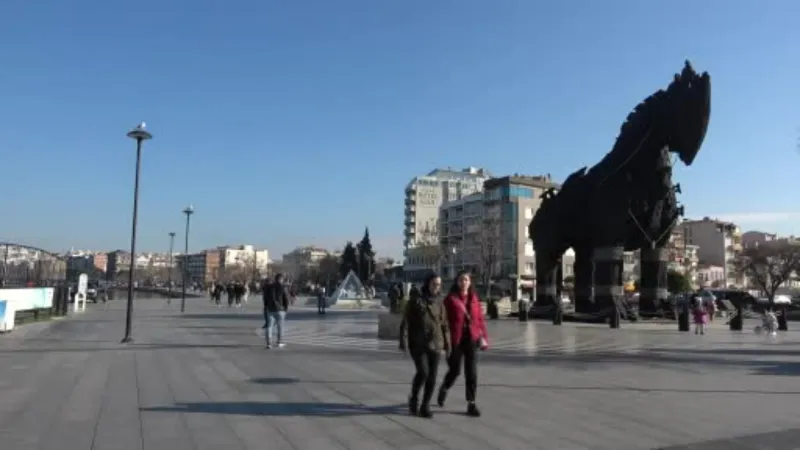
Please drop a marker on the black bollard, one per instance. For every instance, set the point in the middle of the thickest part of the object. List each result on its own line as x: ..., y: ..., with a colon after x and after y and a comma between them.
x: 735, y: 322
x: 683, y: 318
x: 522, y: 310
x: 783, y: 323
x: 558, y: 313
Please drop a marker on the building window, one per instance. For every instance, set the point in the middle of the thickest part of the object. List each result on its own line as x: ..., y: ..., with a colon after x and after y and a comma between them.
x: 528, y: 214
x: 520, y: 191
x: 529, y: 249
x: 529, y: 268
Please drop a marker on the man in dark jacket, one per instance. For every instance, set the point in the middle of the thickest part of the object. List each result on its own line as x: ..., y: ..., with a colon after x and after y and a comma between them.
x: 276, y: 303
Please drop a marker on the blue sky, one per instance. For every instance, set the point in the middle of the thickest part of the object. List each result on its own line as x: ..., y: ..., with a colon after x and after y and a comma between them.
x: 300, y: 122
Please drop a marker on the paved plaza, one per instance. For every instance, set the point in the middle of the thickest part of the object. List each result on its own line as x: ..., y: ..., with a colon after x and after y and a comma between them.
x: 204, y: 380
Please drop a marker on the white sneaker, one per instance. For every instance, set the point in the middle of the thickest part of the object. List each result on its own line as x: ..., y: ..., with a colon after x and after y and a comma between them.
x: 281, y: 345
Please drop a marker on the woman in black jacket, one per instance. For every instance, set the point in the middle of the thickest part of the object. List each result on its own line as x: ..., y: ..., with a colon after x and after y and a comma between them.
x: 424, y: 333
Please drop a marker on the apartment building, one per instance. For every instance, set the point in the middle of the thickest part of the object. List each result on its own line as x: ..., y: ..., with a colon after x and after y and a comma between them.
x: 753, y: 239
x: 718, y: 244
x: 303, y: 257
x: 118, y: 261
x: 243, y: 256
x: 488, y: 231
x: 202, y: 267
x: 424, y: 195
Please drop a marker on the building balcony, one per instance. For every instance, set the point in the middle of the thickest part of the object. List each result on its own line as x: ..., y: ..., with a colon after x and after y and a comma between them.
x: 410, y: 221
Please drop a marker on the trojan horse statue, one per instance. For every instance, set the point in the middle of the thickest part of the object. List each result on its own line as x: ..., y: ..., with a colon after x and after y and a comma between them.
x: 626, y: 202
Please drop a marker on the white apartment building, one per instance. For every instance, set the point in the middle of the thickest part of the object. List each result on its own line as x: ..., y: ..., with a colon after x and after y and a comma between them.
x: 243, y: 256
x: 718, y: 244
x: 424, y: 195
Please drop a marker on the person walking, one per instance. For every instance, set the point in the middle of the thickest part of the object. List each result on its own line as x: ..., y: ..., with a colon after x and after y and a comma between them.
x: 467, y: 335
x: 231, y: 291
x: 276, y: 303
x: 238, y: 292
x: 321, y: 300
x: 700, y: 313
x: 424, y: 333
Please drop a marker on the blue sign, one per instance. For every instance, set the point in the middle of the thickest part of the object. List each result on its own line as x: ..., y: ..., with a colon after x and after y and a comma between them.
x: 2, y: 311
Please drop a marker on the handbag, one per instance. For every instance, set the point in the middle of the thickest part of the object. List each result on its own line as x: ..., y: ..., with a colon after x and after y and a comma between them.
x: 482, y: 343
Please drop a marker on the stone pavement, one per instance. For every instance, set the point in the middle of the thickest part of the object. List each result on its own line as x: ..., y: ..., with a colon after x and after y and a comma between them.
x: 204, y: 380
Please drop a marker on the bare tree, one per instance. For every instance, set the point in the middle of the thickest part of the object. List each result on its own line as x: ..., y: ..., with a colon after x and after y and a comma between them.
x: 489, y: 245
x: 429, y: 245
x: 770, y: 265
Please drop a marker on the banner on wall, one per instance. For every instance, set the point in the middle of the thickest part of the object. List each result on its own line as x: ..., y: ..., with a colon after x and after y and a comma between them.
x: 24, y: 299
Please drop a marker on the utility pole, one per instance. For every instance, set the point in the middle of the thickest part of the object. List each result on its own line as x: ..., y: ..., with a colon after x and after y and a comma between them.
x: 171, y: 266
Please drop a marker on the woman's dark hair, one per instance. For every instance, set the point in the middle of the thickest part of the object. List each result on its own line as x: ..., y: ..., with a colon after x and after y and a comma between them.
x: 426, y: 290
x: 454, y: 289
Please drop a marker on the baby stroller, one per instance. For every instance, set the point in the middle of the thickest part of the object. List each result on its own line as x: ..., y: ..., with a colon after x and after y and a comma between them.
x: 769, y: 324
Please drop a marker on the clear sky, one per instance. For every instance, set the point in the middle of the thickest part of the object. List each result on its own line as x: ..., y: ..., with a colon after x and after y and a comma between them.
x: 289, y: 122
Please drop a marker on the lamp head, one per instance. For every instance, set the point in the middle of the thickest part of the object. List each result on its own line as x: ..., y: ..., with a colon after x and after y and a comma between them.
x: 188, y: 210
x: 140, y: 133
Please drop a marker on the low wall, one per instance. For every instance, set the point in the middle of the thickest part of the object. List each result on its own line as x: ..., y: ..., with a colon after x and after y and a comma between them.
x: 389, y: 326
x: 23, y: 304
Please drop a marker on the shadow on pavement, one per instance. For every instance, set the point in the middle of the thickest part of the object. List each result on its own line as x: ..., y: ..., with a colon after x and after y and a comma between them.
x: 280, y: 409
x: 532, y: 386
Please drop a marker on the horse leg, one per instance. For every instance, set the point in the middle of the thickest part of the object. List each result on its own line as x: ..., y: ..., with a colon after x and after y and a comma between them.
x: 546, y: 285
x: 608, y: 263
x: 653, y: 280
x: 584, y: 275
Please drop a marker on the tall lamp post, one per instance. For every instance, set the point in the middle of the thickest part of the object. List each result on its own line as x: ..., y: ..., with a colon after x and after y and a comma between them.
x: 171, y: 265
x: 140, y: 134
x: 189, y: 210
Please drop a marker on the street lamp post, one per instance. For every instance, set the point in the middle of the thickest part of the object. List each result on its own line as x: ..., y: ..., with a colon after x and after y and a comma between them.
x: 140, y: 134
x: 189, y: 210
x: 169, y: 274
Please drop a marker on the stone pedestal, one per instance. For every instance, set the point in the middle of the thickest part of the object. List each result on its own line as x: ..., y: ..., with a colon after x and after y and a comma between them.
x: 608, y: 265
x: 389, y: 326
x: 653, y: 280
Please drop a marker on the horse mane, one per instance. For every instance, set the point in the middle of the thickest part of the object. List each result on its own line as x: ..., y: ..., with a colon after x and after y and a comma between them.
x: 636, y: 124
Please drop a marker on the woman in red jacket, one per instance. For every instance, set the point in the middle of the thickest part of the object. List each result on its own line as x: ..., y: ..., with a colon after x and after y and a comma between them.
x: 467, y: 335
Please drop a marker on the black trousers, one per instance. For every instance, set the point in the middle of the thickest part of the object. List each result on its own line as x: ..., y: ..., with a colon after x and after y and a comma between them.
x: 466, y: 351
x: 426, y: 362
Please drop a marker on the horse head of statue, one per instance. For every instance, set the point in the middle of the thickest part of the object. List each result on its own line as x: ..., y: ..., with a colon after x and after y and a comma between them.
x: 685, y: 111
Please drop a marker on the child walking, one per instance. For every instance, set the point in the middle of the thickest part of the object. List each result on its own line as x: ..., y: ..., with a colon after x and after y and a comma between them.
x: 700, y: 316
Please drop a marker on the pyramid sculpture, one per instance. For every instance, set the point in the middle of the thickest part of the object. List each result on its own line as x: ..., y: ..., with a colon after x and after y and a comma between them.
x: 351, y: 289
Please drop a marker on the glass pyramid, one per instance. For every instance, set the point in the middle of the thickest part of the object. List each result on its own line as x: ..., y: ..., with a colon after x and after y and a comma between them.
x: 350, y: 289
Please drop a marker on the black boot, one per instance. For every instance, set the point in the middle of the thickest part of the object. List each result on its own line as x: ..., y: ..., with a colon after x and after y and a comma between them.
x: 425, y: 411
x: 472, y: 410
x: 412, y: 405
x: 440, y: 399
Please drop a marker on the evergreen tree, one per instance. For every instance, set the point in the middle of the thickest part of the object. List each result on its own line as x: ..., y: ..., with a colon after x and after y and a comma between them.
x: 349, y: 260
x: 366, y: 258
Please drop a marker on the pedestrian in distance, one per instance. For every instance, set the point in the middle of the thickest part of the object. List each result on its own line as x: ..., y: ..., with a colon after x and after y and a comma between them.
x: 467, y: 335
x: 276, y: 304
x: 424, y: 333
x: 231, y: 291
x: 238, y: 292
x: 321, y: 300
